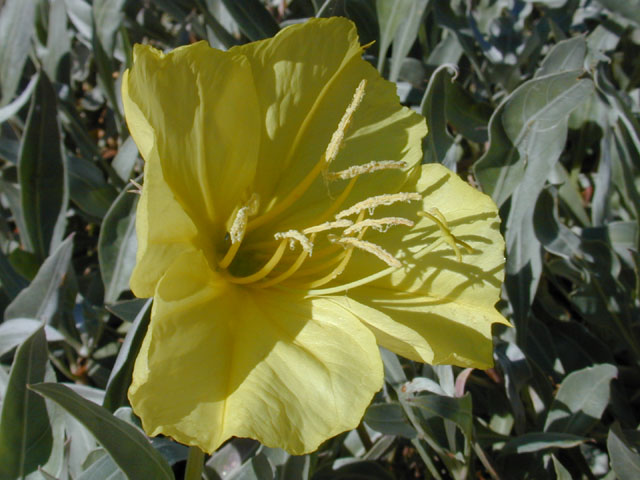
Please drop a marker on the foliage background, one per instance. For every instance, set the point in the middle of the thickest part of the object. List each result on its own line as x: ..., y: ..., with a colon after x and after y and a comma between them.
x: 534, y: 102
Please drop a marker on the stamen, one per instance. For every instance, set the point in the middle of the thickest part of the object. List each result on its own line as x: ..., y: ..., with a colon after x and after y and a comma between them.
x: 379, y: 224
x: 329, y: 155
x: 373, y: 202
x: 138, y: 188
x: 337, y: 138
x: 265, y: 270
x: 290, y: 271
x: 354, y: 284
x: 356, y: 170
x: 372, y: 248
x: 239, y: 228
x: 334, y: 273
x: 292, y: 235
x: 439, y: 219
x: 328, y: 226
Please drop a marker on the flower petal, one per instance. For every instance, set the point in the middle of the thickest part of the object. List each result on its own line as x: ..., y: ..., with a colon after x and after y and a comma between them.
x: 438, y: 308
x: 304, y: 95
x: 426, y: 329
x: 219, y: 361
x: 158, y: 242
x: 199, y: 107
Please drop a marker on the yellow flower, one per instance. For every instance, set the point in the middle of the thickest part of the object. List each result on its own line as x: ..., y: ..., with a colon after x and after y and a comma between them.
x: 286, y: 229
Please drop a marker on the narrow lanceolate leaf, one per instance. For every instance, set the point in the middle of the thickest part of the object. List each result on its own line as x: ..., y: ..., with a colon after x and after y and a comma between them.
x: 117, y: 245
x: 14, y: 107
x: 127, y: 445
x: 40, y: 299
x: 252, y: 18
x: 581, y: 400
x: 16, y: 28
x: 41, y: 171
x: 624, y: 461
x: 536, y: 441
x: 108, y: 16
x: 406, y: 35
x: 438, y: 143
x: 14, y: 332
x: 458, y: 410
x: 25, y: 432
x: 389, y: 418
x: 391, y: 13
x: 120, y: 378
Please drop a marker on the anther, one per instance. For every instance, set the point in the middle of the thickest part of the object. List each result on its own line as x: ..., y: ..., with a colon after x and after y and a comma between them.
x: 373, y: 202
x: 379, y: 224
x: 369, y: 247
x: 370, y: 167
x: 338, y: 136
x: 304, y: 242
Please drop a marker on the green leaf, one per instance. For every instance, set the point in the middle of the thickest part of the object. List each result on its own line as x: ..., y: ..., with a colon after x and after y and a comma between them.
x: 389, y: 418
x: 103, y: 467
x: 117, y: 245
x: 125, y: 159
x: 581, y: 399
x: 14, y: 107
x: 566, y: 56
x: 16, y: 29
x: 120, y: 378
x: 88, y: 188
x: 624, y: 461
x: 128, y: 447
x: 528, y: 131
x: 438, y: 144
x: 12, y: 282
x: 257, y: 468
x: 252, y: 18
x: 406, y: 35
x: 58, y: 42
x: 41, y: 171
x: 14, y: 332
x: 40, y: 299
x: 25, y: 432
x: 537, y: 441
x: 108, y: 16
x: 628, y: 9
x: 391, y: 14
x: 561, y: 472
x: 458, y: 410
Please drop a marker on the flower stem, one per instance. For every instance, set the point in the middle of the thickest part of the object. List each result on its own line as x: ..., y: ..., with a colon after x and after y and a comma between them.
x: 195, y: 463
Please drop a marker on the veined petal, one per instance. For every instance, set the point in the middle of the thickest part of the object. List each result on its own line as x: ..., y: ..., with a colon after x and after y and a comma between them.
x: 425, y: 329
x: 303, y: 97
x: 158, y: 242
x: 437, y: 308
x: 219, y: 360
x: 199, y: 105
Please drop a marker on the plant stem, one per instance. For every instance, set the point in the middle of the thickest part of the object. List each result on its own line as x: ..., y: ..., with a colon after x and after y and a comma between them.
x: 195, y: 463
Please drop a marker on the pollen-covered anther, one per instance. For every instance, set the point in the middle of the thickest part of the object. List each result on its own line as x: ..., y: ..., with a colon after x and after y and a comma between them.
x: 379, y: 224
x: 370, y: 167
x: 295, y: 235
x: 323, y: 227
x: 372, y: 202
x: 239, y: 225
x: 369, y: 247
x: 338, y: 136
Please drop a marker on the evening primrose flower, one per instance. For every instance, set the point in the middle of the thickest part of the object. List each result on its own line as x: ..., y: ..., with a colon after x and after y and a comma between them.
x: 286, y: 228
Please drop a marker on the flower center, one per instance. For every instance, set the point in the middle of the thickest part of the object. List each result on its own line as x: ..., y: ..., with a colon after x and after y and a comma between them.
x: 327, y: 244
